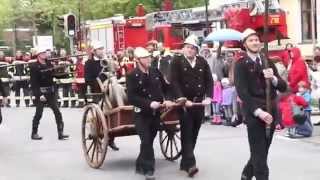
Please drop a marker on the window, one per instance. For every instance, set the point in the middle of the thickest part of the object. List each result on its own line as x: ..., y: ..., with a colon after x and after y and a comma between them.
x: 306, y: 24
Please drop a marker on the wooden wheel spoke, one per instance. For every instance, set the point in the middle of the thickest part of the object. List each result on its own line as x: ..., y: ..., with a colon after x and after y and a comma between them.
x: 175, y: 145
x: 91, y: 145
x: 164, y: 139
x: 178, y: 136
x: 93, y: 152
x: 167, y: 146
x: 171, y: 149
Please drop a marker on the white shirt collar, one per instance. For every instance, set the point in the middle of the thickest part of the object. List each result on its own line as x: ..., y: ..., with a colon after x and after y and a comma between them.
x: 192, y: 62
x: 253, y: 56
x: 96, y: 58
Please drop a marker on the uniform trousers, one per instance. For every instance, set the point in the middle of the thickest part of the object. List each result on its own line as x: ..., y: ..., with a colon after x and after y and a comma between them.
x: 146, y: 127
x: 259, y: 148
x: 190, y: 122
x: 26, y: 92
x: 53, y: 104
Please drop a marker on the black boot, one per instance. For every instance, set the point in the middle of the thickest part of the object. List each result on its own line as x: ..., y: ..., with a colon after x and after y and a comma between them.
x: 73, y: 104
x: 35, y: 135
x: 113, y: 146
x: 61, y: 136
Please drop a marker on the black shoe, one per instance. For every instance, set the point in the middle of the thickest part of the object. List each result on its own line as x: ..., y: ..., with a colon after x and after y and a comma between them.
x: 18, y: 105
x: 63, y: 136
x: 113, y: 146
x: 139, y: 171
x: 8, y: 106
x: 36, y: 137
x: 317, y: 124
x: 245, y: 177
x: 27, y: 105
x: 236, y: 123
x: 149, y: 175
x: 192, y: 171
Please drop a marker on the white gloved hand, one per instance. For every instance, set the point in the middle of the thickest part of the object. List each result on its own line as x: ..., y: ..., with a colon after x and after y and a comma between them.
x: 206, y: 101
x: 155, y: 105
x: 268, y: 73
x: 189, y: 104
x: 266, y: 117
x: 43, y: 99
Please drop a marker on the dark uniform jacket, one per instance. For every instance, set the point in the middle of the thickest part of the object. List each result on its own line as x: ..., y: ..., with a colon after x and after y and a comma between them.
x: 92, y: 69
x: 41, y: 80
x: 251, y: 84
x: 144, y: 88
x: 192, y: 83
x: 163, y: 64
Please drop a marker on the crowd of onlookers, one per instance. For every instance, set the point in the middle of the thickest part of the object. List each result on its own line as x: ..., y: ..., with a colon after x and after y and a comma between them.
x: 302, y: 76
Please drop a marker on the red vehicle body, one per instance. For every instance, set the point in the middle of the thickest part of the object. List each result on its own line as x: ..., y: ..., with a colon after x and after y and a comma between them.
x: 171, y: 32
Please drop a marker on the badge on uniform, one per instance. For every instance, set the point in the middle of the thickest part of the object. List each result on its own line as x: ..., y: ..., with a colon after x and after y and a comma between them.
x: 137, y: 110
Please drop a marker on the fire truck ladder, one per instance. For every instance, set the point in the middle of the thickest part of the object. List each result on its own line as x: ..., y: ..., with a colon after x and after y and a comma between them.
x: 120, y: 37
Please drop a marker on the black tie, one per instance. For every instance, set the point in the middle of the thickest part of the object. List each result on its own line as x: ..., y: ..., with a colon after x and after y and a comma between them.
x: 258, y: 62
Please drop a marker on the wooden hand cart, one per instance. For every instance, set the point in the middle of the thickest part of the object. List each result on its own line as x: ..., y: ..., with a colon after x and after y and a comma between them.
x: 98, y: 127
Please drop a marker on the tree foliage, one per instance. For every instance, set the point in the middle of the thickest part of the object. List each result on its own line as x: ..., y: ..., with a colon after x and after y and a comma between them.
x: 43, y: 12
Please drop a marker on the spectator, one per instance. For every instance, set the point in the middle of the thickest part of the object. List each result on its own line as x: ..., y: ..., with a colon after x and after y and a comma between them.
x: 286, y: 103
x: 305, y: 129
x: 228, y: 95
x: 216, y: 100
x: 297, y: 70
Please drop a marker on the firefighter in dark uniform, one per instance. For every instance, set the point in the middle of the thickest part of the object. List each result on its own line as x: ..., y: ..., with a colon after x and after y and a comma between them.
x: 92, y: 70
x: 5, y: 77
x: 44, y: 91
x: 146, y: 92
x: 250, y: 81
x: 21, y: 79
x: 4, y: 95
x: 66, y: 83
x: 191, y: 78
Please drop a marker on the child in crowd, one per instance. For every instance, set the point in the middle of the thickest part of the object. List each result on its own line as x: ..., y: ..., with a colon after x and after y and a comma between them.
x: 287, y: 102
x: 305, y: 129
x: 228, y: 95
x: 216, y: 100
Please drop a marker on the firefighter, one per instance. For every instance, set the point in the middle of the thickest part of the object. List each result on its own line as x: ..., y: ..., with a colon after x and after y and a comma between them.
x: 92, y: 70
x: 79, y: 83
x: 146, y: 90
x: 5, y: 78
x: 21, y: 78
x: 250, y: 82
x: 66, y: 83
x: 191, y: 78
x: 44, y: 91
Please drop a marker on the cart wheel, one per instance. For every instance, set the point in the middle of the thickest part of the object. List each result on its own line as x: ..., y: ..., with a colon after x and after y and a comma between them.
x: 94, y: 135
x: 170, y: 143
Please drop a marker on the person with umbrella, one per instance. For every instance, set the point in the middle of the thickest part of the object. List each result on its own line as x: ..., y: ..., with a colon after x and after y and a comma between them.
x: 250, y: 80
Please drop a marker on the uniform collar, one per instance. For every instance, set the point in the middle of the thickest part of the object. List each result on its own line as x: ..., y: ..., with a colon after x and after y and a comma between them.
x: 192, y: 62
x: 253, y: 56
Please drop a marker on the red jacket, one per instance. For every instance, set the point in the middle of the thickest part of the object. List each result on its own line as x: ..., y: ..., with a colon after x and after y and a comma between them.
x: 79, y: 72
x: 298, y: 71
x: 285, y: 108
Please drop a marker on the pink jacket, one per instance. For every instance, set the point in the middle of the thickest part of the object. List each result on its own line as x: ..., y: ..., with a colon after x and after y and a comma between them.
x: 217, y: 92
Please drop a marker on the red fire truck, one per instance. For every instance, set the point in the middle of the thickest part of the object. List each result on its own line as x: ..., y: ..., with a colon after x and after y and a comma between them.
x: 172, y: 27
